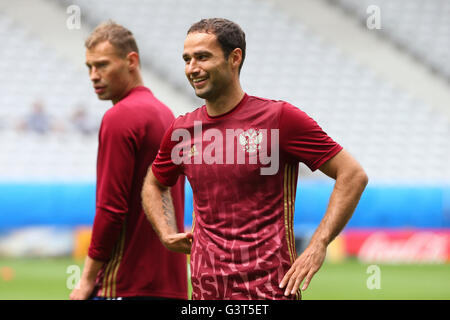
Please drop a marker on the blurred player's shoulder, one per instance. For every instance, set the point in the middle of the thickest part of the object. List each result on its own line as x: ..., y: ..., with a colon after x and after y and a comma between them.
x: 188, y: 118
x: 137, y: 109
x: 140, y: 97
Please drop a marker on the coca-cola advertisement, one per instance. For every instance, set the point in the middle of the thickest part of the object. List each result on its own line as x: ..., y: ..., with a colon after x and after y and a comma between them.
x: 398, y: 246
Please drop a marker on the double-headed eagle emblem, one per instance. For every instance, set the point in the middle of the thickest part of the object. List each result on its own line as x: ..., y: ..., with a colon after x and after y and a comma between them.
x: 250, y: 140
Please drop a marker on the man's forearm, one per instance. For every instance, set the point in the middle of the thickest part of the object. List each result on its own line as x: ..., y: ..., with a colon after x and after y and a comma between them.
x: 343, y: 201
x: 158, y: 207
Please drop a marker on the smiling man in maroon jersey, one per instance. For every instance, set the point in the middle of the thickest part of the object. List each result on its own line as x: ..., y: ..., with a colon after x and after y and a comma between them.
x: 126, y: 259
x: 242, y: 246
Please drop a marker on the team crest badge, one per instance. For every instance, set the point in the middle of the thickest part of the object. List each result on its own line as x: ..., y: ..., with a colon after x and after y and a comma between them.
x: 250, y: 140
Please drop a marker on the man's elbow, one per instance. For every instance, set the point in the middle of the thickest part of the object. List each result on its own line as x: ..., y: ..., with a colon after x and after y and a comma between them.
x: 146, y: 185
x: 354, y: 176
x: 361, y: 178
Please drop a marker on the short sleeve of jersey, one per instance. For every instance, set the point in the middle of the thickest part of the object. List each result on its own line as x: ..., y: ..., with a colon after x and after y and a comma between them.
x: 163, y: 168
x: 303, y: 139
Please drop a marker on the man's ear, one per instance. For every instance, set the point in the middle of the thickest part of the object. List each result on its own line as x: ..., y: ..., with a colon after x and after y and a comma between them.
x: 236, y: 57
x: 133, y: 60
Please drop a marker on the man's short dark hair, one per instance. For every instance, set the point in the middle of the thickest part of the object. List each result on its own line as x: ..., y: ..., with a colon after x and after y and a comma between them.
x: 228, y: 33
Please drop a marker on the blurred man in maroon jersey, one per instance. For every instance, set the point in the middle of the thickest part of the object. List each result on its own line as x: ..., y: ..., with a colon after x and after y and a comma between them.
x: 126, y: 260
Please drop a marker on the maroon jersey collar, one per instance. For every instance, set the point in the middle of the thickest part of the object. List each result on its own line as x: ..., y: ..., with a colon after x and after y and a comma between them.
x: 222, y: 116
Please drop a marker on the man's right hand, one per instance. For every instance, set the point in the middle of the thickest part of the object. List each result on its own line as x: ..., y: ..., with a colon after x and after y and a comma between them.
x: 83, y: 290
x: 179, y: 242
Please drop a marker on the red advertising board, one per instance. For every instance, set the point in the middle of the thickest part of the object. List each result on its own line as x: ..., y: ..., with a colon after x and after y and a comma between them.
x: 398, y: 246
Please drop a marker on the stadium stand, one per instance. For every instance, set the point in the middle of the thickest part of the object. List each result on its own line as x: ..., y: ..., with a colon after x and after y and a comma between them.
x: 393, y: 134
x: 422, y: 28
x: 32, y: 71
x: 286, y: 61
x: 44, y: 61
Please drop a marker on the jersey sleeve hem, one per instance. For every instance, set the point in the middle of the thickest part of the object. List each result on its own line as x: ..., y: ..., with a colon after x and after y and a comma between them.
x: 164, y: 181
x: 330, y: 154
x: 97, y: 255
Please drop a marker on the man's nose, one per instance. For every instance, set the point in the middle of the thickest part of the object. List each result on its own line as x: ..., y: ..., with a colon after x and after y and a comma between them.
x: 192, y: 69
x: 94, y: 75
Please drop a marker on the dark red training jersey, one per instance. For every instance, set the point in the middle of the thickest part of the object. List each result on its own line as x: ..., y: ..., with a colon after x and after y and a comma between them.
x: 136, y: 263
x: 243, y: 169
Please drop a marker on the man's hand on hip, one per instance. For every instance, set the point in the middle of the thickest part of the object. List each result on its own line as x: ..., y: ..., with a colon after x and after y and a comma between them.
x: 304, y: 268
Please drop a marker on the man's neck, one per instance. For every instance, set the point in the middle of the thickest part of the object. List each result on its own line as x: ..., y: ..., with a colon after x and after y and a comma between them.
x: 133, y: 84
x: 224, y: 103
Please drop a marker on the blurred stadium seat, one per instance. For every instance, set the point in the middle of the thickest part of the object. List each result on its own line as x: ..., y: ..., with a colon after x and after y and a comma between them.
x: 30, y: 70
x: 420, y: 27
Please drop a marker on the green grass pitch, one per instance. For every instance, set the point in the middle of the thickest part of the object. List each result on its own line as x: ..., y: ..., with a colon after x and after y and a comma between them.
x: 38, y: 279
